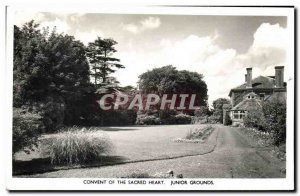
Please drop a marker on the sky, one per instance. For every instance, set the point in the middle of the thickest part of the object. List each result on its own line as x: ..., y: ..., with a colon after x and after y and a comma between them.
x: 219, y: 47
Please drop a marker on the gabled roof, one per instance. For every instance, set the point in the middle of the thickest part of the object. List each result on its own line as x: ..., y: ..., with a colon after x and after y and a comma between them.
x: 249, y: 104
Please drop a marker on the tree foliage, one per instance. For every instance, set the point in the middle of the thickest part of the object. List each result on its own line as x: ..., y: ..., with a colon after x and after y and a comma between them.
x: 49, y: 67
x: 218, y: 107
x: 275, y: 116
x: 168, y: 80
x: 203, y: 111
x: 255, y: 119
x: 27, y: 127
x: 100, y: 55
x: 270, y: 118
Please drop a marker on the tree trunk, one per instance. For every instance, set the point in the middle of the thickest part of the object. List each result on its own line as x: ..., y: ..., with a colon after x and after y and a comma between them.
x: 104, y: 65
x: 95, y: 76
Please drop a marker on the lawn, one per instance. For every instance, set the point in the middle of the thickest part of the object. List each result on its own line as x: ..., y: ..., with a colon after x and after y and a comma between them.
x: 140, y: 143
x: 154, y: 142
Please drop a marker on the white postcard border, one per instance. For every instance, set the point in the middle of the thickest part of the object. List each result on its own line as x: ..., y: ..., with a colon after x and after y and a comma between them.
x: 219, y: 184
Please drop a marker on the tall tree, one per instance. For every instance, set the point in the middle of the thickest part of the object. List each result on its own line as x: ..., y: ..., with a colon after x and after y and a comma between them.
x: 100, y: 55
x: 168, y: 80
x: 218, y: 107
x: 50, y: 69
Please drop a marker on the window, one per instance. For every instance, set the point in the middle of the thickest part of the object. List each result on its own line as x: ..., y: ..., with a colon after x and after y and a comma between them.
x: 242, y: 114
x: 235, y: 115
x: 238, y: 114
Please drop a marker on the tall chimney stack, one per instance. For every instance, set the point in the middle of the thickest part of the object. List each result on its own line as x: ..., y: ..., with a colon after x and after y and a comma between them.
x: 249, y: 77
x: 279, y: 70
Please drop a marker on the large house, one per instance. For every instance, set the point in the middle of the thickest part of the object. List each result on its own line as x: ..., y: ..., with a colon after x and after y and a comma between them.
x: 253, y: 92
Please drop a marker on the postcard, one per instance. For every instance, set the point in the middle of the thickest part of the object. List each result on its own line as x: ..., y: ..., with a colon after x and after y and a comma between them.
x: 150, y: 98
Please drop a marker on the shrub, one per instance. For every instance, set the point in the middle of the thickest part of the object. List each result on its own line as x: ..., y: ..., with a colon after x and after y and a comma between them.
x: 167, y: 117
x: 27, y: 127
x: 213, y: 119
x: 183, y: 119
x: 53, y: 113
x: 272, y: 119
x: 275, y: 118
x: 128, y: 117
x: 194, y: 134
x: 75, y: 146
x: 199, y: 133
x: 255, y: 119
x: 117, y: 118
x: 199, y: 119
x: 202, y: 111
x: 145, y: 119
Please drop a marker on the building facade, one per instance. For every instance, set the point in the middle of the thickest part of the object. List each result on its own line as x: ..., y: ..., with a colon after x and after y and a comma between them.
x: 253, y: 92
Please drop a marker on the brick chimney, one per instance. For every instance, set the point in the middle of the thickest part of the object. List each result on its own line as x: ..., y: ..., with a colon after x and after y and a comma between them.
x: 249, y: 77
x: 279, y: 70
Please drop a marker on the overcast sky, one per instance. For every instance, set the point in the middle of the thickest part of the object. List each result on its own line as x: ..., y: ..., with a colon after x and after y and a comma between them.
x: 219, y: 47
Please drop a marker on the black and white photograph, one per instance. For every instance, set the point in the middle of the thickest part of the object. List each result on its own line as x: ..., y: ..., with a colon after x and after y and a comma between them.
x: 157, y: 98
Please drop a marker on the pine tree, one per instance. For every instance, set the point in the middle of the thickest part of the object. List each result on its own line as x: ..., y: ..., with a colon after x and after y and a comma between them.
x: 100, y: 54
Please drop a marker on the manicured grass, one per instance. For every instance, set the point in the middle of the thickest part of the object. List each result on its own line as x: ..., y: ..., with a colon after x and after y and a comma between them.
x: 137, y: 143
x: 154, y: 142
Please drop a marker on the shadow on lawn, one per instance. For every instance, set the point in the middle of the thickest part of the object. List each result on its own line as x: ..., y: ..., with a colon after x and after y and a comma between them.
x: 118, y: 129
x: 127, y: 128
x: 42, y: 165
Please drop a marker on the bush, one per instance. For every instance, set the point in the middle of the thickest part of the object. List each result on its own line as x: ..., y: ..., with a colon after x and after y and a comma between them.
x: 271, y: 119
x: 183, y: 119
x: 202, y: 111
x: 213, y: 119
x: 53, y: 113
x: 145, y: 119
x: 199, y: 119
x: 167, y: 117
x: 255, y: 119
x: 199, y: 133
x: 75, y: 146
x: 116, y: 118
x: 275, y: 117
x: 27, y: 127
x: 194, y: 134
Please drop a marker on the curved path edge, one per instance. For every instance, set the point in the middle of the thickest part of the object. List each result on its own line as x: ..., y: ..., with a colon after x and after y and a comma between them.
x: 211, y: 140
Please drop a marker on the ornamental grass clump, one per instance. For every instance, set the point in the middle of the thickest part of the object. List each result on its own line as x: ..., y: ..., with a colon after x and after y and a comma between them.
x: 79, y: 146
